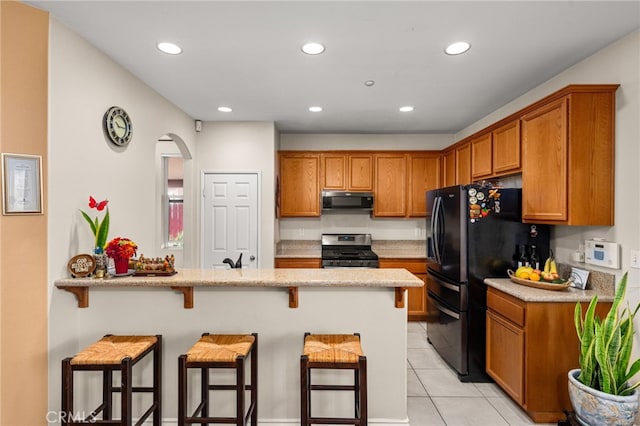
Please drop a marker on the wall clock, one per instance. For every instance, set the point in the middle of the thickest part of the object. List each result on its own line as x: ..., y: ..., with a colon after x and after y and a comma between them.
x: 117, y: 126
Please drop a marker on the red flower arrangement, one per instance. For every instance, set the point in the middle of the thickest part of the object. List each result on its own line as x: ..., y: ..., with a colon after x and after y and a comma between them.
x: 121, y: 248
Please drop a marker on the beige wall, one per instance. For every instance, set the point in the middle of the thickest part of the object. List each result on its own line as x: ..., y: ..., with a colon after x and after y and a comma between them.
x: 23, y: 238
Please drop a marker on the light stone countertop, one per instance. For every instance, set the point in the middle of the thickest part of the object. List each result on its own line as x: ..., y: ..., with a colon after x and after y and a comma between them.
x: 530, y: 294
x: 385, y: 249
x: 259, y: 278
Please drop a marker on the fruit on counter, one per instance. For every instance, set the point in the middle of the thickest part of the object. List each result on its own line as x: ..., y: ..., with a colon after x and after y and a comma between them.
x: 550, y: 272
x: 534, y: 276
x: 524, y: 272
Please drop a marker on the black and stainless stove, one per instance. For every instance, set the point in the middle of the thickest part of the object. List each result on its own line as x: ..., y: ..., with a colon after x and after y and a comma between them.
x: 348, y: 251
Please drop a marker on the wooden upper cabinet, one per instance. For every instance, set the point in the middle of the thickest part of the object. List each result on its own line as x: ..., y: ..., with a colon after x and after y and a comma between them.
x: 506, y: 148
x: 347, y: 171
x: 463, y: 164
x: 481, y: 157
x: 390, y: 185
x: 544, y: 178
x: 496, y: 153
x: 449, y: 168
x: 299, y: 184
x: 424, y: 175
x: 568, y: 158
x: 360, y: 172
x: 335, y: 171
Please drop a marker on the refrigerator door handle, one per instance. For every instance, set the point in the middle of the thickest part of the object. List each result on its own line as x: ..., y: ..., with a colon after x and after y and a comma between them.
x: 435, y: 228
x: 449, y: 286
x: 445, y: 310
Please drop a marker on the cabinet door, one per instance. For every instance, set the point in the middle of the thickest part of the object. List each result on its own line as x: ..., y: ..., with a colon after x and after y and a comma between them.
x: 424, y: 175
x: 481, y: 157
x: 416, y: 296
x: 417, y: 301
x: 449, y: 168
x: 390, y: 185
x: 505, y: 355
x: 463, y: 165
x: 299, y: 185
x: 360, y: 172
x: 544, y: 163
x: 506, y: 148
x: 334, y: 174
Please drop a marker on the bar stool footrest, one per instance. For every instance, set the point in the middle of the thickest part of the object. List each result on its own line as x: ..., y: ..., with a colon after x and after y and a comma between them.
x: 333, y: 387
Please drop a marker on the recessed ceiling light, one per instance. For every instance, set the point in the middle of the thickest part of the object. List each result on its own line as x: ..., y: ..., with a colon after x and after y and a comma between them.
x: 313, y: 48
x: 224, y: 109
x: 315, y: 108
x: 369, y: 83
x: 457, y: 48
x: 406, y: 108
x: 169, y: 48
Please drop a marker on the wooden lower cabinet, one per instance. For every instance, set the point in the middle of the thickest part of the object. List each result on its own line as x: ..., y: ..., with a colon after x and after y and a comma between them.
x: 416, y: 296
x: 531, y: 346
x: 297, y: 262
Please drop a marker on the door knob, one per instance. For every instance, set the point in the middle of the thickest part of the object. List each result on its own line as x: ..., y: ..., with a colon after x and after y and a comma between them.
x: 252, y: 258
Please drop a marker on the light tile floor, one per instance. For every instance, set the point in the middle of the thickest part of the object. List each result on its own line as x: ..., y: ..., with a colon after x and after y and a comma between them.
x: 437, y: 397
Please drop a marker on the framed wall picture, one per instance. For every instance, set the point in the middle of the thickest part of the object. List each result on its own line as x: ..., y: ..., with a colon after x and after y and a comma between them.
x: 21, y: 184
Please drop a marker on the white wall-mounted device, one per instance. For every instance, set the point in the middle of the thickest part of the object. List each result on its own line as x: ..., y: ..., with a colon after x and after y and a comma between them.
x: 198, y: 125
x: 602, y: 253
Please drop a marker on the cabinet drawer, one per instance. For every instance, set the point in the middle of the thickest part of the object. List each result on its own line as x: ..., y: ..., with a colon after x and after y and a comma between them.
x: 304, y: 263
x: 507, y: 306
x: 415, y: 266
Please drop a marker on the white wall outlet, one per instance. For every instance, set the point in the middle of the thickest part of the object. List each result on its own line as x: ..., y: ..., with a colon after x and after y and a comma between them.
x: 635, y: 259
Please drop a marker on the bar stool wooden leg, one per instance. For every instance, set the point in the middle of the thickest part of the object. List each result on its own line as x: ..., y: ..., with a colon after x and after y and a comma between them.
x: 157, y: 381
x: 254, y: 380
x: 304, y: 390
x: 240, y: 421
x: 125, y: 392
x: 67, y: 391
x: 182, y: 389
x: 107, y: 393
x: 362, y: 381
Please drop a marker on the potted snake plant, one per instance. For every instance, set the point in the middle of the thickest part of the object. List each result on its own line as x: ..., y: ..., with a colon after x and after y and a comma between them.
x: 600, y: 391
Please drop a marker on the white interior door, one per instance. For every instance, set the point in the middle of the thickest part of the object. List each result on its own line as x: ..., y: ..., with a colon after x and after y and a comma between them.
x: 230, y: 219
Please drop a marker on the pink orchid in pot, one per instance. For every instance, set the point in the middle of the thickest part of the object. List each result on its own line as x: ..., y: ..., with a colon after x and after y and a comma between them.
x: 121, y: 250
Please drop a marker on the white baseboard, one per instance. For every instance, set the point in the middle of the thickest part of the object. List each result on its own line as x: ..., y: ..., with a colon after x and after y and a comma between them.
x: 296, y: 422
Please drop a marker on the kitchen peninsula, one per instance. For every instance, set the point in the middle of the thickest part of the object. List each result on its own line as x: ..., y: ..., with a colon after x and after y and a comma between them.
x: 367, y: 301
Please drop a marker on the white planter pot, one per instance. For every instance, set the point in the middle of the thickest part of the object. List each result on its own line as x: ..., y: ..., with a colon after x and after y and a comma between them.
x: 595, y: 408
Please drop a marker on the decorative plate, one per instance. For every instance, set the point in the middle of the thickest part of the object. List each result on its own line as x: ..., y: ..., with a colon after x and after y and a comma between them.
x: 539, y: 284
x: 81, y: 265
x: 112, y: 272
x: 155, y: 273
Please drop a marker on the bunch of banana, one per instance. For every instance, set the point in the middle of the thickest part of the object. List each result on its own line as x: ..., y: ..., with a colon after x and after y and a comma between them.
x: 550, y: 272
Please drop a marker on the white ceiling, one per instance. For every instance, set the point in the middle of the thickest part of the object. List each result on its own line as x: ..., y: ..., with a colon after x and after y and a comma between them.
x: 247, y: 55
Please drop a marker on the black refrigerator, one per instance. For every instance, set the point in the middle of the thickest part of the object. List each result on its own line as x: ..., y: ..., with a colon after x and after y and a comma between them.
x: 475, y: 232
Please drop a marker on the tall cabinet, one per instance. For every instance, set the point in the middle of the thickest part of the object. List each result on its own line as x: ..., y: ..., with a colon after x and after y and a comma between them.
x: 568, y: 157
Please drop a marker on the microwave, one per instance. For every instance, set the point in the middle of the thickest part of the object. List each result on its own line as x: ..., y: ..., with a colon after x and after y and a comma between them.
x: 347, y: 201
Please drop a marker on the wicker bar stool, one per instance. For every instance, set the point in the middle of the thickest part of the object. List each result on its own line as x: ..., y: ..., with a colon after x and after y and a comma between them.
x: 109, y: 354
x: 220, y: 351
x: 333, y: 351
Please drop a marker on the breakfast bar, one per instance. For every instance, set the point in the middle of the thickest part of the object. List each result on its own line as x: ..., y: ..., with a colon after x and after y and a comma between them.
x: 278, y: 304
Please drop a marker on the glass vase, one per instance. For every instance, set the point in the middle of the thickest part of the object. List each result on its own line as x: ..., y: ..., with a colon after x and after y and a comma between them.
x: 101, y: 263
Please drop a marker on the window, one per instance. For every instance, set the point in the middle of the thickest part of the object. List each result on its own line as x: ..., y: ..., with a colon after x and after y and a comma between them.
x: 173, y: 167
